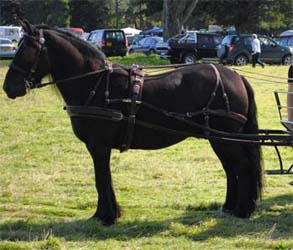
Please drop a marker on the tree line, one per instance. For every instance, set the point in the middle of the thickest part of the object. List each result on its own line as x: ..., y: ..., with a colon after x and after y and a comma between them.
x: 266, y: 16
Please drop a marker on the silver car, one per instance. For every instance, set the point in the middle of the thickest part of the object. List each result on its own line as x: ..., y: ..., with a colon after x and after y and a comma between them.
x: 7, y: 48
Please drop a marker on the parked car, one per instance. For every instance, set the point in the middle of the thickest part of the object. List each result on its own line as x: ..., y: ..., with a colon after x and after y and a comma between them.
x: 13, y: 33
x: 7, y: 48
x: 111, y: 41
x: 163, y: 48
x: 75, y: 31
x: 193, y: 46
x: 236, y: 49
x: 137, y: 38
x: 146, y: 45
x: 286, y: 39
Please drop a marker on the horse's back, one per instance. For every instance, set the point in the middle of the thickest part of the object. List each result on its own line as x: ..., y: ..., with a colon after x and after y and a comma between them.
x: 190, y: 88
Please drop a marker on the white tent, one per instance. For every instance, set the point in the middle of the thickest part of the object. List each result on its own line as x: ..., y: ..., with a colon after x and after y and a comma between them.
x: 131, y: 31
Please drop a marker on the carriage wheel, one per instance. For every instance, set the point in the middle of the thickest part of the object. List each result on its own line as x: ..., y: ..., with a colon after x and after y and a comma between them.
x: 241, y: 60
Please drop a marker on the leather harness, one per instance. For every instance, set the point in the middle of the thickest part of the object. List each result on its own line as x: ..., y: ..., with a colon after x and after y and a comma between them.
x: 136, y: 86
x: 136, y: 82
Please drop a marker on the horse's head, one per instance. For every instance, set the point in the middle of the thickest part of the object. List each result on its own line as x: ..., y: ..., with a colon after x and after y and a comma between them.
x: 30, y: 63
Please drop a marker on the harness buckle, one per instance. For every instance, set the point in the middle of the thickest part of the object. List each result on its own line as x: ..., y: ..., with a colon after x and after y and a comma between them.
x: 109, y: 66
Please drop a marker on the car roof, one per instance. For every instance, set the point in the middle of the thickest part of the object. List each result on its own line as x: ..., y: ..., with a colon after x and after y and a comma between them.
x: 153, y: 37
x: 106, y: 30
x: 5, y: 39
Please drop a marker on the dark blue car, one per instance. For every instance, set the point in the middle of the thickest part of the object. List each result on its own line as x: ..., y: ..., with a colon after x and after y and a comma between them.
x: 146, y: 45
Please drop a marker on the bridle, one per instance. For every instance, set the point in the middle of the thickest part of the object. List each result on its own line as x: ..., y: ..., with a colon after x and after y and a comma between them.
x: 29, y: 75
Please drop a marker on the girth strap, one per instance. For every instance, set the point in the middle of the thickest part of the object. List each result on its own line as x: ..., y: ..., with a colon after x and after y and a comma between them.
x: 136, y: 86
x: 95, y: 112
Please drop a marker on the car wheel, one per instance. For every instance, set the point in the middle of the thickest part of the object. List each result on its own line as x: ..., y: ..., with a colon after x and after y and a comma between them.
x: 189, y: 58
x: 152, y: 51
x: 241, y: 60
x: 173, y: 60
x: 287, y: 60
x: 130, y: 51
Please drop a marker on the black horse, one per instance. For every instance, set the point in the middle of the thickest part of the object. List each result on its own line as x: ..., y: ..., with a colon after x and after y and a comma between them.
x: 110, y: 107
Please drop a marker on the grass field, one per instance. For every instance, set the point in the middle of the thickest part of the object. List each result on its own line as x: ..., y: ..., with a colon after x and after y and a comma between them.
x: 170, y: 198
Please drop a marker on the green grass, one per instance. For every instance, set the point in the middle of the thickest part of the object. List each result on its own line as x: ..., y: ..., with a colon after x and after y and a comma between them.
x: 171, y: 198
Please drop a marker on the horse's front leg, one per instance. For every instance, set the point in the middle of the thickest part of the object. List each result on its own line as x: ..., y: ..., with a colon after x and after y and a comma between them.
x: 107, y: 208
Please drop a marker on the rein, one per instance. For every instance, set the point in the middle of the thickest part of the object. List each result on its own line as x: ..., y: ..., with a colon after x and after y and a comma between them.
x: 41, y: 85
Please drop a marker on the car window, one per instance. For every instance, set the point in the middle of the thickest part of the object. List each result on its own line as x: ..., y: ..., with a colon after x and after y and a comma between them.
x: 153, y: 42
x: 283, y: 42
x: 286, y: 41
x: 148, y: 41
x: 141, y: 42
x: 217, y: 40
x: 5, y: 42
x: 190, y: 38
x: 114, y: 35
x: 266, y: 42
x: 247, y: 40
x: 227, y: 40
x: 96, y: 36
x: 235, y: 39
x: 204, y: 39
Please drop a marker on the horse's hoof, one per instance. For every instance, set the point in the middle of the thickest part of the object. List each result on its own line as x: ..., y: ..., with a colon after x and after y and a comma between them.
x: 103, y: 221
x: 228, y: 208
x: 241, y: 213
x: 227, y: 211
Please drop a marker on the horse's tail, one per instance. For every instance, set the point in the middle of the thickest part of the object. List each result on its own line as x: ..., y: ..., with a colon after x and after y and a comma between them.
x: 253, y: 151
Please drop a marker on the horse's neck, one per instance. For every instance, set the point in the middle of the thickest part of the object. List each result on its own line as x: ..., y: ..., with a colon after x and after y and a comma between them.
x: 67, y: 61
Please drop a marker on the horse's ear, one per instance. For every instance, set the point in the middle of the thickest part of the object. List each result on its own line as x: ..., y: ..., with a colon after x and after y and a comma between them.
x: 27, y: 27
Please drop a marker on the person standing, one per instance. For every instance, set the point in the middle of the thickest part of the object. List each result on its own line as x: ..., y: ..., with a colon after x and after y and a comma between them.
x: 255, y: 44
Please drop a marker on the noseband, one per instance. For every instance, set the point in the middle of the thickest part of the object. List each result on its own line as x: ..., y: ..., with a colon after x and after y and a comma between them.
x: 29, y: 77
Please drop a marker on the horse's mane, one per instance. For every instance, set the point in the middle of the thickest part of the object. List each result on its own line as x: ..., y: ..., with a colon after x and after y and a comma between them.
x: 86, y: 49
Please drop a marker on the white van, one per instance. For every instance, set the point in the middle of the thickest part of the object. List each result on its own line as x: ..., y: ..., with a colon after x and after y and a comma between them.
x: 14, y: 33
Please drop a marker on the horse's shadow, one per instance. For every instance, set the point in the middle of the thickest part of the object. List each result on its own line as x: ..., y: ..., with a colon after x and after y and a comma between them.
x: 264, y: 223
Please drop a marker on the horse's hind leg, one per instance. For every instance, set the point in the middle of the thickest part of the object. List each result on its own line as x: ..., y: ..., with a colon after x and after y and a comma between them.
x: 107, y: 209
x: 241, y: 178
x: 232, y: 180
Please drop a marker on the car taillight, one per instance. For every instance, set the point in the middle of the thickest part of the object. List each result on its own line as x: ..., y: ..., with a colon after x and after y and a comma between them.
x: 103, y: 43
x: 126, y: 42
x: 232, y: 47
